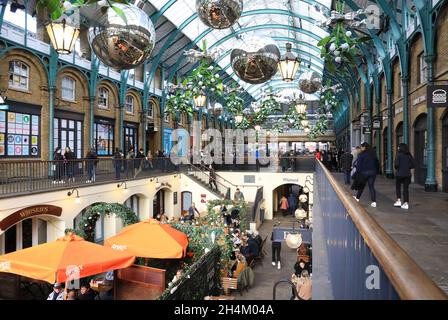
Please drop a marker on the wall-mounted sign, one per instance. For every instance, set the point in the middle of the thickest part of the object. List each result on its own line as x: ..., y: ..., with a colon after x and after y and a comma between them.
x: 203, y: 198
x: 437, y: 96
x: 29, y: 212
x: 366, y: 130
x: 175, y: 198
x: 376, y: 124
x: 290, y: 180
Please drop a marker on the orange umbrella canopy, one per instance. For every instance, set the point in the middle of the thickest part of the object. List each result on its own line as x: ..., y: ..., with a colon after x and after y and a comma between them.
x: 56, y: 261
x: 150, y: 239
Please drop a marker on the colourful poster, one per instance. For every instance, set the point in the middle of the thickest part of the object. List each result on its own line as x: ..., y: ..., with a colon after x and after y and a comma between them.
x: 25, y: 140
x: 11, y: 117
x: 10, y: 150
x: 34, y: 151
x: 35, y: 120
x: 2, y: 150
x: 26, y: 151
x: 18, y: 139
x: 2, y: 116
x: 2, y: 127
x: 26, y: 118
x: 34, y: 140
x: 19, y: 117
x: 2, y: 138
x: 18, y: 150
x: 10, y: 139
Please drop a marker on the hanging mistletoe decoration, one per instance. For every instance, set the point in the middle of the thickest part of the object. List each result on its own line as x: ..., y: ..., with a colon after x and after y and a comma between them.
x: 340, y: 46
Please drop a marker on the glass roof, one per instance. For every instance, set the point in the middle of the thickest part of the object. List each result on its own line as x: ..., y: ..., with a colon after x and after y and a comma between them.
x: 282, y: 20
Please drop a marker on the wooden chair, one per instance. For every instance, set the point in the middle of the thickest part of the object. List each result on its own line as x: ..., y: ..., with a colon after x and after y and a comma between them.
x: 229, y: 283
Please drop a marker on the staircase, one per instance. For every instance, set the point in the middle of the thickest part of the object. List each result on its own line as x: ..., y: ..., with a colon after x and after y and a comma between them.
x: 201, y: 175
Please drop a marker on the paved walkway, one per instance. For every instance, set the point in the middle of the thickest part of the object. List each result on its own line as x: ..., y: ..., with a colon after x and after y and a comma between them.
x: 267, y: 275
x: 422, y: 231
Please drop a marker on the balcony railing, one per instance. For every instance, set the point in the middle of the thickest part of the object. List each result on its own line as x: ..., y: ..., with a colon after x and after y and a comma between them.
x: 364, y: 261
x: 24, y: 177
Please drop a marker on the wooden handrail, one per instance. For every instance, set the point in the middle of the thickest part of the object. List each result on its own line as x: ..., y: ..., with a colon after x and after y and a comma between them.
x: 408, y: 279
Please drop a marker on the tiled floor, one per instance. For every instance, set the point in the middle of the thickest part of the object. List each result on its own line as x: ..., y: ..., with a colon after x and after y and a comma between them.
x: 422, y: 231
x: 267, y: 275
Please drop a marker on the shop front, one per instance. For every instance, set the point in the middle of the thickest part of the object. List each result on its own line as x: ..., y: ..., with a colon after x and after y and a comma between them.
x: 29, y: 227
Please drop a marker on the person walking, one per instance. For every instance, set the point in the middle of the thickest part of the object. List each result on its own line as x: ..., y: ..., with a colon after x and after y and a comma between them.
x: 92, y: 161
x: 367, y: 166
x: 118, y: 158
x: 130, y: 156
x: 404, y: 162
x: 284, y: 205
x: 292, y: 202
x: 345, y: 163
x: 212, y: 177
x: 276, y: 251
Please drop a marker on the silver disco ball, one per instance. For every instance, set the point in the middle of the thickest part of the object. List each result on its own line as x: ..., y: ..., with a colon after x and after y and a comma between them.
x: 310, y: 82
x: 123, y: 44
x: 219, y: 14
x: 255, y: 60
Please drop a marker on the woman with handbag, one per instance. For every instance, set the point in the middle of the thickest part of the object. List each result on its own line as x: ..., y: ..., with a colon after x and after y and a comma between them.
x: 404, y: 162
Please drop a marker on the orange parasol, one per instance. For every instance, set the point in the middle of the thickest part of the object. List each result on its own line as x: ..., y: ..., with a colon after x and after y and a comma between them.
x: 150, y: 239
x: 55, y: 261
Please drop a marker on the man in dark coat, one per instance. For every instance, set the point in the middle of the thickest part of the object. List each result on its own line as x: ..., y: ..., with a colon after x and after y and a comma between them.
x: 346, y: 165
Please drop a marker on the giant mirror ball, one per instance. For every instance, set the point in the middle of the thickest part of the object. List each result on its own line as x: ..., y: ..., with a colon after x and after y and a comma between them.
x: 310, y: 82
x: 119, y: 44
x: 219, y: 14
x: 255, y: 60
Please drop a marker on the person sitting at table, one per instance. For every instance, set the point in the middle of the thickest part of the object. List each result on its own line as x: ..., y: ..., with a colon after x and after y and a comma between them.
x: 179, y: 274
x: 304, y: 286
x: 71, y: 295
x: 246, y: 251
x: 300, y: 266
x: 86, y: 292
x: 163, y: 218
x: 240, y: 265
x: 191, y: 213
x: 57, y: 293
x: 254, y: 247
x: 257, y: 238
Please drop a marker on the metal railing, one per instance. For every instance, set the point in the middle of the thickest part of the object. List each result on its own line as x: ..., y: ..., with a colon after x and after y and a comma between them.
x: 365, y: 262
x: 202, y: 173
x: 282, y: 164
x: 24, y: 177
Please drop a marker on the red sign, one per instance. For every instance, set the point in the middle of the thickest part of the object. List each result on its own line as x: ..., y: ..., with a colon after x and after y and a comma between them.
x: 203, y: 198
x: 29, y: 212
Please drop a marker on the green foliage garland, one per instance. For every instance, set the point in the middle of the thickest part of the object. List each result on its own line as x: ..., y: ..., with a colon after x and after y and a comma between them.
x: 86, y: 226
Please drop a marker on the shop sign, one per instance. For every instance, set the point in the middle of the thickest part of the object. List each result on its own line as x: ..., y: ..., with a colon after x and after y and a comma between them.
x: 280, y: 234
x: 29, y: 212
x: 437, y: 96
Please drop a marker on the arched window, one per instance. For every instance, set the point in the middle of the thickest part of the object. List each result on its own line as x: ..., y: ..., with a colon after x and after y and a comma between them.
x: 130, y: 104
x: 103, y: 98
x: 68, y: 88
x: 18, y: 75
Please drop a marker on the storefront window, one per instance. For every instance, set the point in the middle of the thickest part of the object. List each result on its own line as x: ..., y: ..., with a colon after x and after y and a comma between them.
x: 68, y: 133
x: 104, y: 138
x: 19, y: 134
x: 27, y: 233
x: 41, y: 231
